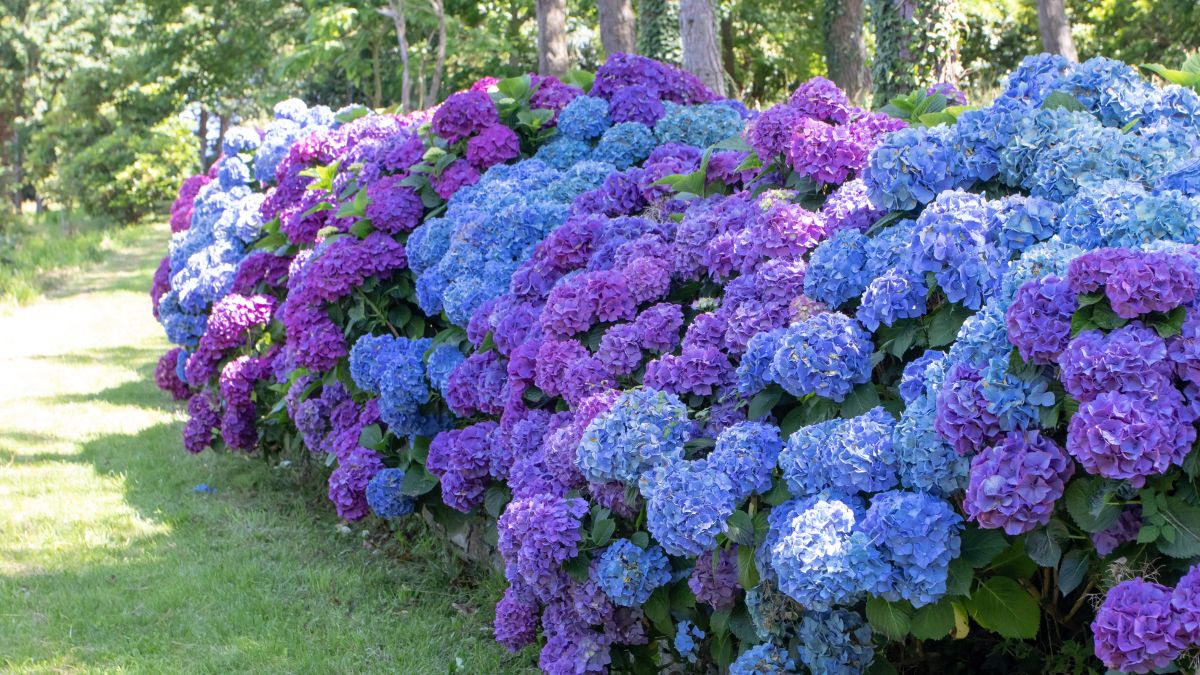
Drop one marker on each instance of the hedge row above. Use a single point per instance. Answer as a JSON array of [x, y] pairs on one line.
[[808, 389]]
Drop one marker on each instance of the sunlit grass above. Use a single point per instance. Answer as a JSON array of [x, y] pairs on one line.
[[111, 562]]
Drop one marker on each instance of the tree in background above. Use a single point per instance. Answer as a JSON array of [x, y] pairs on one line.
[[552, 37], [845, 48], [1056, 28], [658, 30], [916, 45], [701, 53], [618, 28]]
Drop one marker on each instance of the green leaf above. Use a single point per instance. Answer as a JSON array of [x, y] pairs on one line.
[[1089, 299], [1013, 562], [1170, 324], [1148, 534], [1104, 317], [881, 666], [980, 547], [1081, 321], [583, 79], [892, 619], [495, 499], [658, 610], [352, 113], [741, 530], [1002, 606], [734, 142], [1072, 571], [1045, 544], [362, 228], [602, 531], [933, 622], [1183, 78], [747, 569], [640, 539], [860, 400], [578, 567], [1061, 99], [370, 437], [1089, 501], [778, 494], [514, 87], [417, 481], [960, 577], [718, 622], [742, 625], [1185, 518], [946, 321], [683, 600], [763, 402]]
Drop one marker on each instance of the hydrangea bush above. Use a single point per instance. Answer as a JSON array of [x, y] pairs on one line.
[[812, 389]]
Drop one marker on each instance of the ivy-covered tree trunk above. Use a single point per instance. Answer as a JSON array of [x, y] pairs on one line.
[[916, 45], [701, 49], [1055, 28], [845, 49], [658, 30], [552, 37], [618, 30]]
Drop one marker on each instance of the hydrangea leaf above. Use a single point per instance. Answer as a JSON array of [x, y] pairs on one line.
[[980, 547], [1072, 571], [763, 402], [1088, 500], [418, 481], [933, 622], [1185, 518], [1002, 606], [860, 400], [892, 619]]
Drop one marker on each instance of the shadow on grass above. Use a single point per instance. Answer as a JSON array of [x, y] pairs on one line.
[[255, 577]]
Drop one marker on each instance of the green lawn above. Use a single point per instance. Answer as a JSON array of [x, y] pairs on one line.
[[110, 561]]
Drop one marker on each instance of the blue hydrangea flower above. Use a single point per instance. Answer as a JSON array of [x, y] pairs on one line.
[[837, 642], [841, 456], [1015, 402], [688, 637], [1110, 89], [754, 370], [820, 558], [892, 296], [827, 355], [910, 167], [1020, 222], [837, 270], [384, 495], [982, 337], [585, 118], [698, 125], [687, 504], [1036, 77], [746, 452], [914, 381], [628, 574], [393, 368], [951, 241], [563, 152], [625, 144], [1049, 257], [918, 535], [442, 360], [764, 659], [643, 428], [924, 461]]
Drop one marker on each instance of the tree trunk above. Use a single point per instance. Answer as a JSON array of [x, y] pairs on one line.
[[701, 49], [1055, 28], [395, 10], [915, 46], [845, 50], [618, 31], [202, 135], [658, 30], [552, 37], [439, 66], [376, 76], [728, 58], [222, 127]]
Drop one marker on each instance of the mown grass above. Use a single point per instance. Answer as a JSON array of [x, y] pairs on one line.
[[110, 561], [40, 253]]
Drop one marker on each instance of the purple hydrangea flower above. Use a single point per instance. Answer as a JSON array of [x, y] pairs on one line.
[[537, 535], [1039, 319], [1135, 630], [714, 579], [1132, 436], [1015, 483], [464, 114], [1131, 359]]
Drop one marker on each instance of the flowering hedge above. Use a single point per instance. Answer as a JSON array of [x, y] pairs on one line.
[[808, 389]]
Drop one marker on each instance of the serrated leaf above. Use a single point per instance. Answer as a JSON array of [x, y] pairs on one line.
[[860, 400], [658, 610], [763, 402], [721, 649], [742, 625], [495, 499], [602, 531], [1088, 502], [1044, 545], [578, 567], [945, 324], [962, 624], [741, 529], [933, 622], [417, 481], [747, 570], [892, 619], [371, 436], [980, 547], [959, 578], [1002, 606], [1185, 518], [640, 539], [1072, 571]]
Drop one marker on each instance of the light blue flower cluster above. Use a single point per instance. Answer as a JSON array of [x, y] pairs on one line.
[[293, 120], [746, 452], [688, 637], [698, 125], [442, 360], [892, 296], [393, 369], [628, 574], [764, 659], [585, 118], [827, 355], [917, 534], [837, 270], [643, 428], [687, 504], [841, 456], [951, 241]]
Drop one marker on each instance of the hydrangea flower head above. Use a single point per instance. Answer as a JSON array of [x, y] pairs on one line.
[[836, 642], [1135, 630], [746, 453], [918, 534], [1015, 483], [643, 428], [628, 574], [827, 355], [384, 495]]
